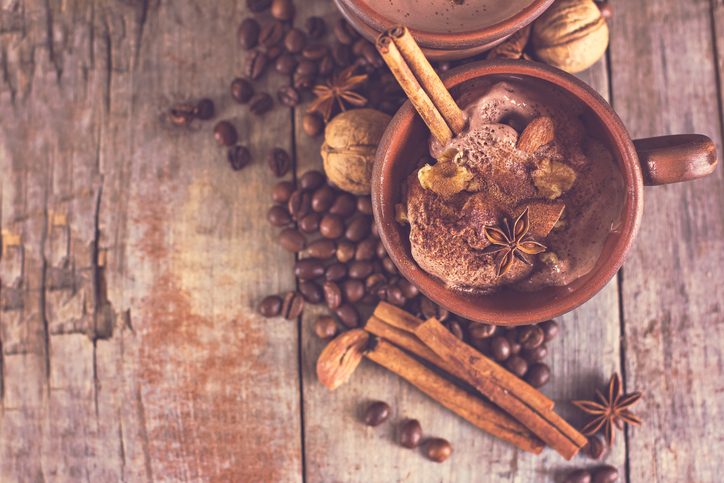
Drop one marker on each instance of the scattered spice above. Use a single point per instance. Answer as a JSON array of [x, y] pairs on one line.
[[511, 244], [338, 89]]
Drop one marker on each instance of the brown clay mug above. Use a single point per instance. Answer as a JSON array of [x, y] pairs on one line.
[[651, 161], [485, 24]]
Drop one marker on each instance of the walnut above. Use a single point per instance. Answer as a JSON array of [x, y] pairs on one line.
[[571, 35], [553, 178], [350, 144], [448, 176]]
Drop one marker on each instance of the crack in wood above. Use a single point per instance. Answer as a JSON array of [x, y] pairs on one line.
[[145, 442]]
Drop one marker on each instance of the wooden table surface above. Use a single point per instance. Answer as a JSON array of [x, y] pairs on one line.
[[133, 260]]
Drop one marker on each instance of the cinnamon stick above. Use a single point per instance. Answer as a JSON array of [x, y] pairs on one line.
[[452, 397], [428, 78], [504, 392], [419, 98]]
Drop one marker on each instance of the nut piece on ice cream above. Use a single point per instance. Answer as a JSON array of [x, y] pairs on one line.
[[448, 176], [553, 178]]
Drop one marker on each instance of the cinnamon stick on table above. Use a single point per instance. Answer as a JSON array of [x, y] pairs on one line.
[[421, 83]]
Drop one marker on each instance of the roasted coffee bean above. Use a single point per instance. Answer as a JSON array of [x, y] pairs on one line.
[[344, 32], [285, 64], [306, 67], [578, 476], [282, 191], [288, 96], [325, 327], [292, 240], [359, 229], [389, 265], [205, 109], [377, 413], [326, 65], [248, 33], [512, 335], [315, 52], [431, 309], [279, 162], [410, 434], [225, 133], [380, 250], [375, 230], [342, 55], [182, 114], [481, 331], [295, 41], [238, 157], [304, 82], [536, 354], [364, 205], [500, 348], [348, 315], [537, 375], [282, 9], [345, 251], [241, 90], [517, 365], [331, 226], [311, 180], [300, 205], [308, 268], [312, 292], [605, 8], [365, 250], [344, 205], [360, 270], [278, 216], [312, 124], [273, 53], [270, 306], [321, 248], [292, 306], [455, 328], [438, 449], [271, 33], [353, 291], [391, 294], [257, 6], [550, 329], [322, 199], [594, 449], [332, 295], [315, 27], [335, 272], [255, 64], [605, 474], [358, 45], [530, 336], [260, 103], [370, 299], [374, 282], [371, 55], [408, 290], [310, 223]]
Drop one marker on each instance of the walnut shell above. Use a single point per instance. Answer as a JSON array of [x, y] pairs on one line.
[[350, 145], [571, 35]]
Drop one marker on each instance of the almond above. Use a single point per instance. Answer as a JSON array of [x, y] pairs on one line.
[[538, 133]]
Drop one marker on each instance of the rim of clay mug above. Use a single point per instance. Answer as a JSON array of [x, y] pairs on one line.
[[457, 40], [474, 307]]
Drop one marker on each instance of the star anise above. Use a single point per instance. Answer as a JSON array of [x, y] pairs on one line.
[[338, 89], [511, 244], [612, 410]]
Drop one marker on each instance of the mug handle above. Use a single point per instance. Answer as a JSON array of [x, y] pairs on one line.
[[675, 158]]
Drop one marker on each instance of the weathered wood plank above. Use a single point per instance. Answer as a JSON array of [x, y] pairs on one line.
[[339, 447], [135, 257], [665, 82]]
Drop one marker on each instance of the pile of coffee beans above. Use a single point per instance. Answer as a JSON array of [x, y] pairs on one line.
[[344, 265], [601, 474], [410, 432]]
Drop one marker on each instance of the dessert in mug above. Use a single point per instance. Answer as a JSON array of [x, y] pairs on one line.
[[524, 197]]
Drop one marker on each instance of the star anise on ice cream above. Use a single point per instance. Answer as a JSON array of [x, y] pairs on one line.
[[338, 90], [611, 410], [511, 242]]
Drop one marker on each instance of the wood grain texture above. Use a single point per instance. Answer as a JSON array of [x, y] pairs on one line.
[[133, 257], [665, 81]]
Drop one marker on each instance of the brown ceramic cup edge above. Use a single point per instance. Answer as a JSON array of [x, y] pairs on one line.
[[463, 304]]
